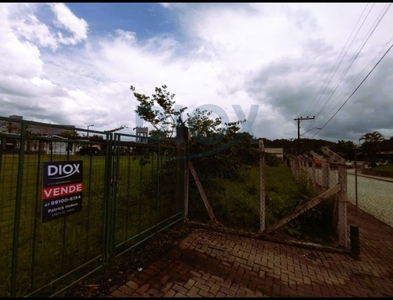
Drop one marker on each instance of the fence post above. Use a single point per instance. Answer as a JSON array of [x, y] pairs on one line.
[[342, 206], [304, 167], [181, 168], [300, 160], [341, 197], [18, 206], [318, 181], [307, 160], [261, 186], [291, 164], [297, 167], [325, 175], [2, 147], [314, 179]]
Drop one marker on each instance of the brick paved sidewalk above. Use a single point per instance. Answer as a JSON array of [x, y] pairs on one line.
[[215, 264]]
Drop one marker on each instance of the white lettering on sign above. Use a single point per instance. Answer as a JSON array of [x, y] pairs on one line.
[[62, 190], [63, 171]]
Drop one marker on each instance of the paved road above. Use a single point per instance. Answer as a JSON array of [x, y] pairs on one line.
[[374, 196]]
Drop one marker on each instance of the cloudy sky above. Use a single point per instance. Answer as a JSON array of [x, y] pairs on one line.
[[268, 63]]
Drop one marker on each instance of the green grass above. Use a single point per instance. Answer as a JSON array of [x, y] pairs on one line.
[[51, 249], [388, 168]]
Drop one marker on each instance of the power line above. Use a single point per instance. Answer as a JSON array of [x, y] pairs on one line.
[[357, 87], [338, 65], [310, 130], [355, 56], [357, 77], [349, 65]]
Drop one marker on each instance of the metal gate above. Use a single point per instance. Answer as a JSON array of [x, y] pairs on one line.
[[146, 197], [129, 191]]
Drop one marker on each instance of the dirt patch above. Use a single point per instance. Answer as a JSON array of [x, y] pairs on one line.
[[105, 280]]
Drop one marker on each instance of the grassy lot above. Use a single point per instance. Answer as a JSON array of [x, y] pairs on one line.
[[384, 171], [388, 168], [236, 203], [51, 249]]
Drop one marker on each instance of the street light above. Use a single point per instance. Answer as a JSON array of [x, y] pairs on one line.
[[88, 126]]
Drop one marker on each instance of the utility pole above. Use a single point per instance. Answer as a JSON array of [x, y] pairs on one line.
[[298, 130]]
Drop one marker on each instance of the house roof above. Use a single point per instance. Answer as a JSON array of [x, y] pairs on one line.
[[33, 128]]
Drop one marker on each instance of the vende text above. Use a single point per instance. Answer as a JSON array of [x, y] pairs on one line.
[[61, 190]]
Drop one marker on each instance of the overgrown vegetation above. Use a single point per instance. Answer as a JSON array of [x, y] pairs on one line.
[[236, 203], [226, 162], [370, 145]]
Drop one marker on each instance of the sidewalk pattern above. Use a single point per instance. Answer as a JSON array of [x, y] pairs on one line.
[[215, 264]]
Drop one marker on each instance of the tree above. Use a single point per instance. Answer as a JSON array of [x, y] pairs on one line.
[[343, 148], [116, 129], [69, 133], [164, 121], [213, 143], [370, 145], [201, 124]]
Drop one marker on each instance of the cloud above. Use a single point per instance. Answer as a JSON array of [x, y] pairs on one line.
[[31, 29], [276, 58], [66, 19]]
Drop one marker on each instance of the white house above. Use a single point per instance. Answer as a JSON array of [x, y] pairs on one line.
[[60, 147]]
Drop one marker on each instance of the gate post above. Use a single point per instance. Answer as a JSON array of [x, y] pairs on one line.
[[341, 197], [261, 186], [182, 168]]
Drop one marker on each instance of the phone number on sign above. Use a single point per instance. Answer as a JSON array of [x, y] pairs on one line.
[[64, 200]]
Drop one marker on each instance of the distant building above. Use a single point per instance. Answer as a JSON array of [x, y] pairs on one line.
[[15, 127], [60, 147], [278, 152], [141, 133], [10, 144]]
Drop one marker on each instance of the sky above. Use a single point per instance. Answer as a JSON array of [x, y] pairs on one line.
[[268, 63]]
